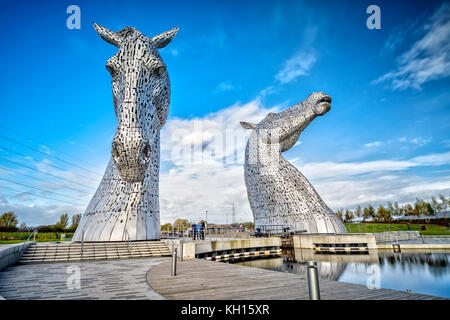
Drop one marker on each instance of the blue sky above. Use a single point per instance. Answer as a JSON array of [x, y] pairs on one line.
[[385, 139]]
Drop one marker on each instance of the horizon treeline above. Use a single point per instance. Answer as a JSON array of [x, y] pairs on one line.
[[391, 210]]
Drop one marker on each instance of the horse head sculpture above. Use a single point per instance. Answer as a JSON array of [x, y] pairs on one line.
[[278, 193], [141, 95], [126, 204]]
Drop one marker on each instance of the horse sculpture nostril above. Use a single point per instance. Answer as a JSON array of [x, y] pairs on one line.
[[145, 153], [115, 151], [147, 150]]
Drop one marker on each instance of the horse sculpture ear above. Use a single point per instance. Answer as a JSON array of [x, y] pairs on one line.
[[247, 125], [163, 39], [108, 35]]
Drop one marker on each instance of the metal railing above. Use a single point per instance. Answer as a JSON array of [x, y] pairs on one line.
[[208, 233], [35, 232], [130, 243]]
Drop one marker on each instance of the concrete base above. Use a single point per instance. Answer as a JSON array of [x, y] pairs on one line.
[[10, 254], [201, 247], [416, 246], [310, 241]]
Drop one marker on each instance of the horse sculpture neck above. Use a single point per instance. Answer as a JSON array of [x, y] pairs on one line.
[[126, 203], [120, 208], [278, 193]]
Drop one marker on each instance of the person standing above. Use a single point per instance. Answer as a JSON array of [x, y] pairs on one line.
[[194, 230], [202, 230], [199, 231]]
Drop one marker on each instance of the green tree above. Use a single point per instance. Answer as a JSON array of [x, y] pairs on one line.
[[349, 216], [369, 212], [76, 218], [397, 210], [9, 220], [249, 225], [62, 223], [444, 203], [181, 224], [358, 211], [383, 214], [436, 204], [427, 211], [339, 213], [408, 210], [166, 227]]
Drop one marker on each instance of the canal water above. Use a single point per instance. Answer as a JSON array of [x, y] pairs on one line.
[[425, 272]]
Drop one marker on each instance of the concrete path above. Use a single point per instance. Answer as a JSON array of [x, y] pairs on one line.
[[103, 279]]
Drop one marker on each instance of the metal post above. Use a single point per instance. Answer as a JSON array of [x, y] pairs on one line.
[[82, 241], [313, 281], [174, 262], [181, 250]]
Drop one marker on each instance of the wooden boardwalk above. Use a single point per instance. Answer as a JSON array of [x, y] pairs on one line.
[[209, 280]]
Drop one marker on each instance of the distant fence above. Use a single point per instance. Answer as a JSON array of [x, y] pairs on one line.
[[396, 236], [210, 232], [437, 215]]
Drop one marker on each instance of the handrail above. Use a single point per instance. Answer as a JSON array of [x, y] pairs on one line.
[[35, 232], [130, 245]]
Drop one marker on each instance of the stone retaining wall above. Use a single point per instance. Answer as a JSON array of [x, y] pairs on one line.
[[397, 235], [10, 254]]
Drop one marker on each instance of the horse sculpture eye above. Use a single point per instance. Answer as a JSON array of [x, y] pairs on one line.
[[160, 70], [111, 70]]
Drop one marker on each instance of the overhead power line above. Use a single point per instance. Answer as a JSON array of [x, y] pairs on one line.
[[49, 164], [48, 155], [38, 195], [43, 180], [42, 143], [24, 185], [43, 172]]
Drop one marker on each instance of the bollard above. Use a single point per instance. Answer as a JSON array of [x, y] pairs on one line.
[[181, 250], [313, 281], [174, 262], [82, 242]]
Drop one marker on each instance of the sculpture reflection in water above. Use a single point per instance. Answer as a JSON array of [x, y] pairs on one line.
[[347, 267]]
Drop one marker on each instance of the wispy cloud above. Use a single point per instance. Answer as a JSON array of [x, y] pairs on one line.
[[428, 58], [225, 86], [373, 144], [212, 165], [298, 65]]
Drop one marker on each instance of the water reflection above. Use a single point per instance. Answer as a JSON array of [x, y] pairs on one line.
[[420, 272]]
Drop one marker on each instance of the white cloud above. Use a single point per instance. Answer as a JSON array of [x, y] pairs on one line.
[[428, 58], [209, 176], [329, 169], [206, 156], [373, 144], [296, 66], [225, 86]]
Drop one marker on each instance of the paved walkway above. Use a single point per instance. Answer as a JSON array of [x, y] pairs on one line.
[[200, 279], [102, 279]]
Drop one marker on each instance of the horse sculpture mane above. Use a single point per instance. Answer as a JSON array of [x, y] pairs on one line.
[[278, 193], [126, 203]]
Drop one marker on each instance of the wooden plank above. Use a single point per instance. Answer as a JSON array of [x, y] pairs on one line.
[[201, 279]]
